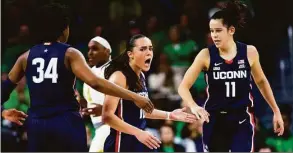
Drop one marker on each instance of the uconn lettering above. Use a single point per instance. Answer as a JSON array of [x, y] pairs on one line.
[[230, 75]]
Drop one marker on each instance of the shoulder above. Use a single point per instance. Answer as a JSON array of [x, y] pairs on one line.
[[23, 57], [118, 78], [252, 52], [72, 52], [203, 54]]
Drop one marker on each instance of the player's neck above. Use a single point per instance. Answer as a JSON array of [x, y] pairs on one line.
[[136, 69], [230, 47]]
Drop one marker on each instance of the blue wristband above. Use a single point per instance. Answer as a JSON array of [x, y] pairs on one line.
[[7, 88]]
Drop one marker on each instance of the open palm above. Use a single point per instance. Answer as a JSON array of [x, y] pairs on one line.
[[181, 115]]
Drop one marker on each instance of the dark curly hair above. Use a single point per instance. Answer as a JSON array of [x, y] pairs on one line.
[[50, 21]]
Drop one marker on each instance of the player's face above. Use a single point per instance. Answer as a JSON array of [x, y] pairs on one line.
[[142, 54], [220, 33], [97, 54]]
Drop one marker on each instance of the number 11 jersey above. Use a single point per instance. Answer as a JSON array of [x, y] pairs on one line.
[[229, 82]]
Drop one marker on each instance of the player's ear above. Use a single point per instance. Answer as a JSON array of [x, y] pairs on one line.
[[231, 30], [130, 54]]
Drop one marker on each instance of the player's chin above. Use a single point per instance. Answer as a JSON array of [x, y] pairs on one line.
[[146, 68], [218, 45]]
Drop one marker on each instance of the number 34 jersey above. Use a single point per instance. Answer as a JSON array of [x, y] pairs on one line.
[[51, 84], [229, 82]]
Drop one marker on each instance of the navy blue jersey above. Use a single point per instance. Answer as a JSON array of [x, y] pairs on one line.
[[229, 82], [51, 84], [133, 115]]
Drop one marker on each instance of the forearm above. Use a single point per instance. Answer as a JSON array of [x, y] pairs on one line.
[[109, 88], [115, 122], [157, 114], [186, 96], [266, 91]]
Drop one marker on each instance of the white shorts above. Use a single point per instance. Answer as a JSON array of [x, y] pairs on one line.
[[98, 141]]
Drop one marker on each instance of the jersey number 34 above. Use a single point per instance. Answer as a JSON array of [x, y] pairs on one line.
[[50, 72]]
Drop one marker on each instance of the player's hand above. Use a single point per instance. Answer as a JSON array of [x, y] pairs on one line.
[[96, 110], [148, 139], [181, 115], [144, 103], [200, 113], [14, 116], [278, 124]]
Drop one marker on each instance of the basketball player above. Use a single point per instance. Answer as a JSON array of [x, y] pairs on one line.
[[99, 54], [126, 120], [228, 67], [50, 67]]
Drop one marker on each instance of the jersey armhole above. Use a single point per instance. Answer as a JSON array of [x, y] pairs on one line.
[[210, 61]]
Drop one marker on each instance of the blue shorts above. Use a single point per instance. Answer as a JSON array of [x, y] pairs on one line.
[[64, 132], [229, 131]]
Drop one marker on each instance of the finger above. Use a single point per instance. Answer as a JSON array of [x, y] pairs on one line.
[[190, 120], [146, 109], [156, 139], [281, 128], [21, 119], [190, 116], [22, 114], [152, 107], [206, 114], [275, 126], [205, 117], [184, 109], [148, 145], [154, 143], [197, 115], [17, 122], [85, 113], [88, 110]]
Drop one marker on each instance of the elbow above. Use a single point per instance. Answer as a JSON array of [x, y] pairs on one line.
[[181, 89], [261, 82], [106, 118], [95, 85]]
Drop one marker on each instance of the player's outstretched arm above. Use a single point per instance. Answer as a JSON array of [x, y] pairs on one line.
[[265, 88], [189, 78], [14, 76], [109, 117], [80, 68], [175, 115]]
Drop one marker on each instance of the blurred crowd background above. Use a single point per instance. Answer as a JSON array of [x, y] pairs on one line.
[[179, 30]]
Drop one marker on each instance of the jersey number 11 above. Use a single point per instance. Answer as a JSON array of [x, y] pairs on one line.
[[228, 90]]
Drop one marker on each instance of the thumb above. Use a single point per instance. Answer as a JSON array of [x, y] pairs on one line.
[[275, 125], [184, 109]]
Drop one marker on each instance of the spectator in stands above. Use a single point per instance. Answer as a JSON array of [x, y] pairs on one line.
[[167, 138], [179, 53]]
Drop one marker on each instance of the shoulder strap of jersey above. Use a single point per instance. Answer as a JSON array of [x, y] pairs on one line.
[[214, 54], [242, 49]]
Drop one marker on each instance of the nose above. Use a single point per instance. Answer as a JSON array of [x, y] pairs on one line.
[[214, 35], [149, 52], [89, 52]]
